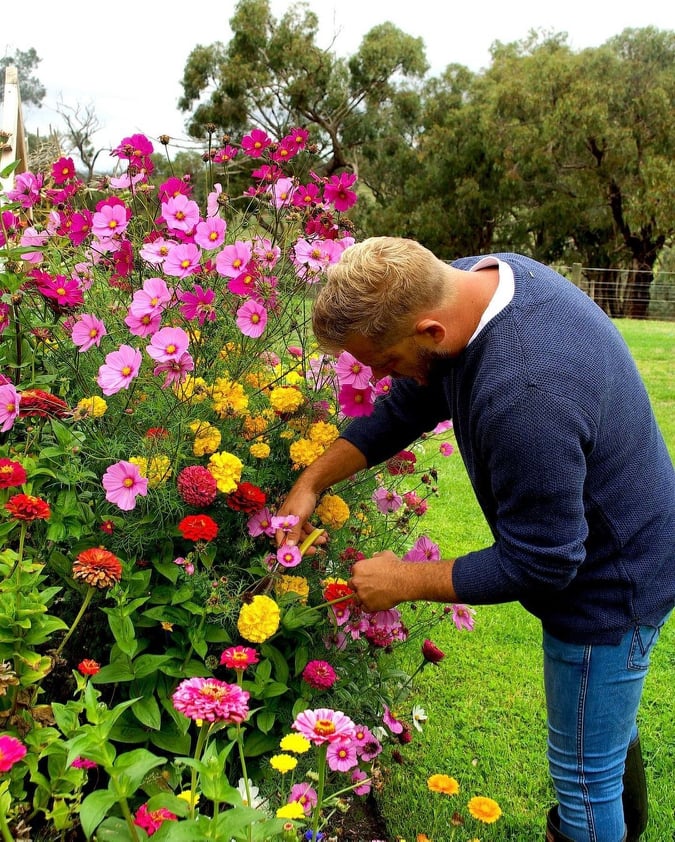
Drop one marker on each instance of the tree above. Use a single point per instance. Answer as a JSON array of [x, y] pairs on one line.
[[32, 92], [272, 74]]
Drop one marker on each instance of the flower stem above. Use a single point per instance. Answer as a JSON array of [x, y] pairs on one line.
[[242, 760], [199, 749], [85, 604], [322, 752]]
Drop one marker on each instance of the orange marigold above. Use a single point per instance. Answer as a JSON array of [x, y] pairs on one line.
[[484, 809], [97, 567], [444, 784]]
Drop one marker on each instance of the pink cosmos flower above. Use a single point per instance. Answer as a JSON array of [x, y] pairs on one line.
[[316, 255], [446, 449], [255, 143], [9, 406], [198, 304], [390, 720], [260, 523], [210, 233], [284, 522], [352, 372], [232, 260], [156, 252], [87, 331], [252, 319], [239, 657], [168, 344], [305, 795], [211, 700], [109, 221], [175, 370], [26, 189], [288, 556], [282, 192], [119, 369], [143, 324], [182, 261], [415, 503], [424, 549], [463, 616], [341, 756], [320, 675], [383, 386], [356, 402], [324, 725], [31, 238], [337, 192], [367, 744], [123, 483], [265, 253], [155, 294], [362, 781], [11, 751], [387, 501], [180, 213]]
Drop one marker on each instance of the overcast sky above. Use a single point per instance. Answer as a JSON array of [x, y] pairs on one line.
[[126, 60]]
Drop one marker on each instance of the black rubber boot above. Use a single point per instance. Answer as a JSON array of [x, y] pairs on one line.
[[553, 833], [635, 810]]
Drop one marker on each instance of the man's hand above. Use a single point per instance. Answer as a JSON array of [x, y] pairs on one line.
[[380, 582], [300, 503]]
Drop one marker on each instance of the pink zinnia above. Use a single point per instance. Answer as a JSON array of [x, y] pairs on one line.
[[341, 756], [151, 820], [239, 657], [168, 344], [9, 406], [320, 675], [197, 486], [119, 369], [305, 795], [211, 700], [349, 370], [123, 483], [198, 304], [11, 751], [87, 332], [288, 556], [324, 725], [337, 192], [251, 319], [356, 402]]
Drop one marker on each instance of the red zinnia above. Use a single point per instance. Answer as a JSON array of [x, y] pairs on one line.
[[35, 402], [27, 507], [335, 590], [198, 528], [247, 498], [89, 667], [97, 567], [431, 652], [402, 463], [197, 486], [11, 473]]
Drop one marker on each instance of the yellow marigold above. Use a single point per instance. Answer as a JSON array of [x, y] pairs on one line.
[[258, 619], [286, 399], [484, 809], [192, 389], [286, 434], [191, 797], [332, 511], [227, 349], [229, 398], [257, 380], [444, 784], [260, 450], [332, 580], [254, 426], [226, 469], [295, 743], [303, 452], [207, 438], [157, 469], [323, 433], [294, 378], [283, 763], [292, 584], [93, 407], [292, 810]]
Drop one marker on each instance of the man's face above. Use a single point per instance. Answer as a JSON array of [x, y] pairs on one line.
[[406, 358]]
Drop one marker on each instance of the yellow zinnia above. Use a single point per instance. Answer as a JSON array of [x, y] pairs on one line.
[[444, 784], [292, 810], [226, 469], [258, 619], [332, 511], [484, 809]]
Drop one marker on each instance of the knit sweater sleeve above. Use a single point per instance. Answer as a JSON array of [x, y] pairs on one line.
[[533, 477]]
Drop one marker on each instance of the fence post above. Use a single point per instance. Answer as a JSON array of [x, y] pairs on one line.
[[14, 147]]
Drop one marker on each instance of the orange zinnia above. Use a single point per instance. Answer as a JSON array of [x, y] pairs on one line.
[[444, 784], [97, 567]]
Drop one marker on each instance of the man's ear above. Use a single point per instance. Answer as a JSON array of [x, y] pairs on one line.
[[431, 329]]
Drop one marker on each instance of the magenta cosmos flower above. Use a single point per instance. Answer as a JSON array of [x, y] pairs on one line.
[[251, 319], [87, 332], [9, 406], [119, 369], [11, 751], [211, 700], [123, 483], [356, 402], [324, 725], [349, 370], [198, 304], [337, 192], [341, 756]]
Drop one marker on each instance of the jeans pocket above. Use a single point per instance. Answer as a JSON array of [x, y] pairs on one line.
[[644, 638]]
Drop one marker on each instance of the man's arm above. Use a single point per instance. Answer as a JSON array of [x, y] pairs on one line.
[[383, 581], [340, 461]]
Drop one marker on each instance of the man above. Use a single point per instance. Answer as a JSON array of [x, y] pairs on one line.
[[570, 469]]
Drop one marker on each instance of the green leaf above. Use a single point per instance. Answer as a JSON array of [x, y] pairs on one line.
[[147, 711], [278, 659], [112, 673], [94, 809], [273, 688], [124, 633], [146, 665], [258, 743], [132, 767], [265, 720]]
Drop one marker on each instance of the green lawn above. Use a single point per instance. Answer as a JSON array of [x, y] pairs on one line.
[[485, 700]]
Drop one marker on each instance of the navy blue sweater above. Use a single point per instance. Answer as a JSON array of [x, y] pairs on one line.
[[565, 457]]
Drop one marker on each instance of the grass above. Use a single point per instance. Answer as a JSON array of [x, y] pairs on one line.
[[485, 701]]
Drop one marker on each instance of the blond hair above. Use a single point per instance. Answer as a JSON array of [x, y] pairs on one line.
[[375, 290]]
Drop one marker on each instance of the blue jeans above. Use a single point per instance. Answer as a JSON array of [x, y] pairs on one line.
[[592, 698]]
